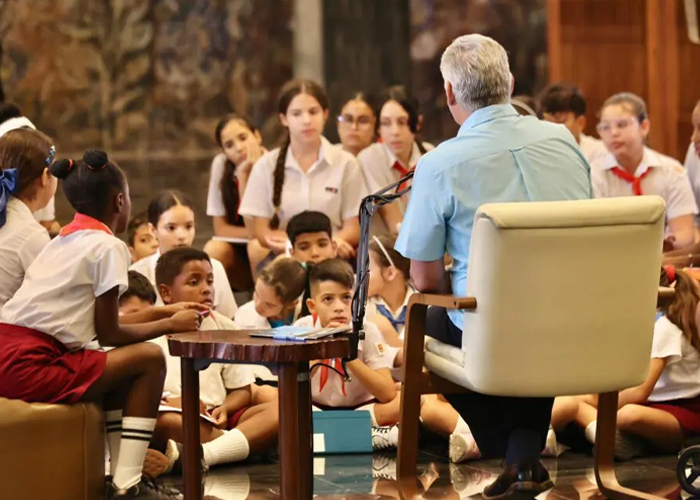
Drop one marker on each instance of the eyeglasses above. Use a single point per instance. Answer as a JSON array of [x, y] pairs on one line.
[[350, 120], [607, 127]]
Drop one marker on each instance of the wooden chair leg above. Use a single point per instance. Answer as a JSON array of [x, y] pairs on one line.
[[605, 453], [410, 404]]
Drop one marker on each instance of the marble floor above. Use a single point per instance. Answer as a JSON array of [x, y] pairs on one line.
[[371, 477]]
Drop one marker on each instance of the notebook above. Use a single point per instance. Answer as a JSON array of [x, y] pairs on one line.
[[300, 333]]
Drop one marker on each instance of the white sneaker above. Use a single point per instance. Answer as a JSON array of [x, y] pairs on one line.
[[551, 448], [463, 447], [384, 438]]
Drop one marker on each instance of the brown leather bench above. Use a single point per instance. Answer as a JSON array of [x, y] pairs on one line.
[[54, 452]]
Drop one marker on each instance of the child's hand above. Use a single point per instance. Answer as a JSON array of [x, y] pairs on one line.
[[337, 324], [253, 154], [221, 416], [276, 241], [172, 309], [345, 249], [185, 321], [669, 243]]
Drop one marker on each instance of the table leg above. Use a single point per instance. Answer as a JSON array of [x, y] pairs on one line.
[[192, 461], [295, 445]]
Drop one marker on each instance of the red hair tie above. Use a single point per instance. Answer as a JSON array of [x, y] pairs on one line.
[[670, 273]]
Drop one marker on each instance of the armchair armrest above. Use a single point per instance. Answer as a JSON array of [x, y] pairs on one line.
[[665, 296], [446, 301]]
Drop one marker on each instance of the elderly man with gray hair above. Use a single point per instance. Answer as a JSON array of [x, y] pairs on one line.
[[497, 156]]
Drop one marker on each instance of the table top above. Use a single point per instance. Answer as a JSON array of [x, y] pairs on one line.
[[238, 345]]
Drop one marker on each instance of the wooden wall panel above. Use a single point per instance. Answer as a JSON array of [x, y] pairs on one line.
[[689, 79], [601, 49]]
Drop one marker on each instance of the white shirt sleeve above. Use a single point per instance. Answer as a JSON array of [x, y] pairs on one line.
[[375, 351], [237, 376], [215, 202], [224, 301], [32, 247], [371, 165], [111, 269], [679, 195], [257, 199], [599, 182], [354, 190], [667, 341]]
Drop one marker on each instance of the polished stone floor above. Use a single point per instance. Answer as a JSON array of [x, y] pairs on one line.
[[372, 477]]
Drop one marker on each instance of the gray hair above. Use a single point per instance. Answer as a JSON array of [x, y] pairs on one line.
[[477, 67]]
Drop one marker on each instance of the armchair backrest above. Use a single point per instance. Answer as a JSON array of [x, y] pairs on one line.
[[566, 295]]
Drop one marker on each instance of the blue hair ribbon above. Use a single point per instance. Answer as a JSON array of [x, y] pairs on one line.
[[8, 182]]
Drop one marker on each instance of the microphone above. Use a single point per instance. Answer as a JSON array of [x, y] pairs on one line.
[[369, 205]]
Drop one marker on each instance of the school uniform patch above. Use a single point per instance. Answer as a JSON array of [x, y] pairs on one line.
[[332, 190], [381, 349]]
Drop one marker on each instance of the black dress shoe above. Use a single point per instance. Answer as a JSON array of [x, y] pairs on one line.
[[146, 489], [523, 481]]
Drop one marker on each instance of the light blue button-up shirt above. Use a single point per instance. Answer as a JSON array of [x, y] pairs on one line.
[[497, 156]]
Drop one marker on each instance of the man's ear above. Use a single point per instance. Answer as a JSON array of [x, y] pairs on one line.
[[450, 94], [165, 293], [311, 305]]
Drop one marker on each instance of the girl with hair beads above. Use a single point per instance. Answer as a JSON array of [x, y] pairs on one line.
[[69, 298], [306, 173], [396, 154], [357, 123], [241, 146], [665, 409], [632, 169], [277, 291], [171, 214], [26, 186]]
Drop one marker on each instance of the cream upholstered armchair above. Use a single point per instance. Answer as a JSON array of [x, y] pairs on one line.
[[564, 291]]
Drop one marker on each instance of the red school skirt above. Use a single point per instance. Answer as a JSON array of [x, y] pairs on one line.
[[686, 411], [37, 368]]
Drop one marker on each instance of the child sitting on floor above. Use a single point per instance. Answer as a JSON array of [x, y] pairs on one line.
[[277, 291], [311, 236], [371, 387], [141, 238], [242, 427], [664, 410], [138, 297]]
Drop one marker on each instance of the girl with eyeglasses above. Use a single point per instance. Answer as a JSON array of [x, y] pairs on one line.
[[357, 123], [396, 153], [632, 169]]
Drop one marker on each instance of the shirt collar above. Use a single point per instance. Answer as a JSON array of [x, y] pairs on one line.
[[409, 291], [487, 114], [18, 206], [650, 159], [412, 162], [82, 222], [325, 156]]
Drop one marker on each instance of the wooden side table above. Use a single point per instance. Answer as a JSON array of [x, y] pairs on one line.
[[197, 350]]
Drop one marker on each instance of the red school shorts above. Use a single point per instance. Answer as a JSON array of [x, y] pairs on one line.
[[686, 411], [37, 368]]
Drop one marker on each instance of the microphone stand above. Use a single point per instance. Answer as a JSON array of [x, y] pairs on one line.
[[368, 207]]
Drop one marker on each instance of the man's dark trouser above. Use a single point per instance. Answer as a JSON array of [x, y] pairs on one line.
[[514, 428]]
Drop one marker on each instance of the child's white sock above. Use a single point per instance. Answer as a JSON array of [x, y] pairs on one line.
[[113, 425], [590, 431], [462, 427], [233, 446], [136, 434], [372, 418]]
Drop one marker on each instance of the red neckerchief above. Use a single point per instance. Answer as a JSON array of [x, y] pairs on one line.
[[82, 222], [627, 177], [403, 171], [336, 363]]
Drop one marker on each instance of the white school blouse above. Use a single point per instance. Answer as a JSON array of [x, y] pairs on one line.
[[60, 287], [680, 378], [224, 302], [667, 179], [692, 166], [333, 185], [593, 149], [247, 318], [373, 351], [21, 240], [216, 380], [215, 201]]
